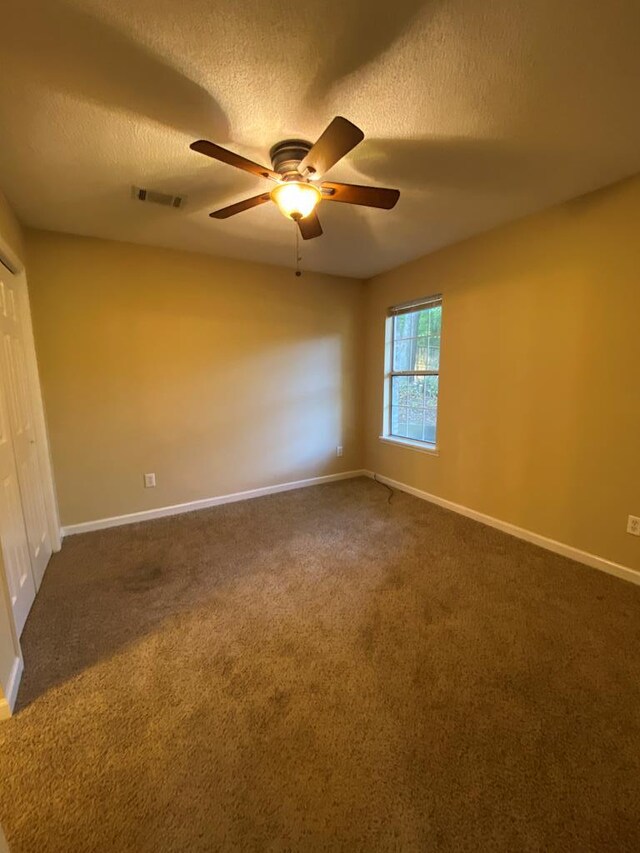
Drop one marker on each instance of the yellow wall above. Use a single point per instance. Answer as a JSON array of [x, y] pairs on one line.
[[217, 375], [539, 421], [222, 376]]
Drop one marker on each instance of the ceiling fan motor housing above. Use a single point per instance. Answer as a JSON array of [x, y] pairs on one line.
[[287, 155]]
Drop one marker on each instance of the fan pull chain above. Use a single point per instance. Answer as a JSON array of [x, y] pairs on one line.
[[298, 256]]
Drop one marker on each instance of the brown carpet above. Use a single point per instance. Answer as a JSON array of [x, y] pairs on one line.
[[322, 670]]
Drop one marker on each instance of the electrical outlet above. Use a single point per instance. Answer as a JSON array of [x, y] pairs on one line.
[[149, 481], [339, 450], [633, 525]]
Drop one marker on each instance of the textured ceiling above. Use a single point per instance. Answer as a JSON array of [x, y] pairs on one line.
[[479, 112]]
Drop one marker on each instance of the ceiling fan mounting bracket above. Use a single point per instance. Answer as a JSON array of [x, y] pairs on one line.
[[287, 155]]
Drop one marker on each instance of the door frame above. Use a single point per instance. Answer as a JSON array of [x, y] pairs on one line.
[[14, 265], [9, 690]]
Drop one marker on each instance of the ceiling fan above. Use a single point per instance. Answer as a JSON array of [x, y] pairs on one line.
[[297, 167]]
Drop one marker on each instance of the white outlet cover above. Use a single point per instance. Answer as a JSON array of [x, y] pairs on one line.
[[149, 481], [633, 525]]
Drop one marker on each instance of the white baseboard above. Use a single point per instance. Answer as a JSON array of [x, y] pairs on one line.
[[624, 572], [8, 701], [205, 503], [592, 560]]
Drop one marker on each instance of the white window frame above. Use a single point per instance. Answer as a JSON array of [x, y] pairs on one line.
[[386, 435]]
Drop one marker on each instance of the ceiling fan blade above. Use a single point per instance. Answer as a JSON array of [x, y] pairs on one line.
[[336, 141], [354, 194], [239, 206], [310, 226], [210, 149]]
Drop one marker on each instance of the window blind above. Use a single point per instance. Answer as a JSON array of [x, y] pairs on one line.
[[416, 305]]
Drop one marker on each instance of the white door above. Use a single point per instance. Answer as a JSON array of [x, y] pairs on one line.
[[17, 388], [13, 534]]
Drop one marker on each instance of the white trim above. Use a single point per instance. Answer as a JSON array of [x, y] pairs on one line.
[[8, 258], [595, 562], [8, 702], [422, 446], [191, 506]]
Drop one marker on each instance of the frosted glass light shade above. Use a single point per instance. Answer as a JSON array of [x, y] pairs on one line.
[[296, 199]]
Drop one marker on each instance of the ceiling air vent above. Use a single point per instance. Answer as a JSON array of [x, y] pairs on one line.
[[156, 197]]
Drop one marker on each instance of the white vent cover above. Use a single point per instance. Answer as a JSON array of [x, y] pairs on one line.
[[156, 197]]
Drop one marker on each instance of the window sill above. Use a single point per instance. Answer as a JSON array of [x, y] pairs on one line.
[[420, 446]]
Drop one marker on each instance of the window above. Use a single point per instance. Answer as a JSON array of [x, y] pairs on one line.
[[413, 366]]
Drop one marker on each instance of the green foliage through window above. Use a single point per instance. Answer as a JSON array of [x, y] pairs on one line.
[[414, 373]]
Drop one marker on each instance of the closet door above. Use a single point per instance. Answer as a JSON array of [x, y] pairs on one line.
[[23, 434], [13, 534]]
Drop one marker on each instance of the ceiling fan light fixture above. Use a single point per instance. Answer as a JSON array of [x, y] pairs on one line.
[[296, 199]]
